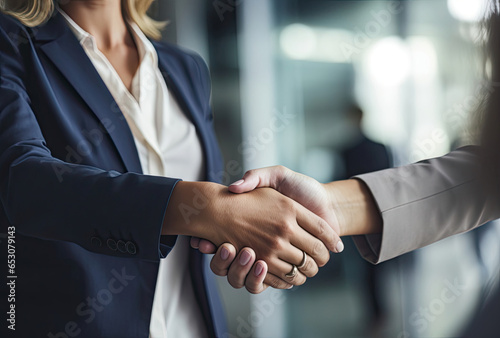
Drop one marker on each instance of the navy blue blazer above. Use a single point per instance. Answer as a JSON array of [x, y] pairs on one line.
[[80, 220]]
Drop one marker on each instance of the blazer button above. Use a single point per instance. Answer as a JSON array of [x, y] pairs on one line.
[[95, 241], [121, 246], [111, 244], [131, 248]]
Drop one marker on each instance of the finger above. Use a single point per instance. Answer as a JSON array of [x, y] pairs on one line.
[[294, 255], [306, 242], [258, 178], [276, 283], [206, 247], [281, 268], [312, 246], [195, 242], [308, 267], [255, 279], [222, 260], [241, 268], [317, 227]]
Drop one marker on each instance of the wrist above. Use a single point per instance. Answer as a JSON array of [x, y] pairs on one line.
[[186, 213], [355, 207], [337, 205]]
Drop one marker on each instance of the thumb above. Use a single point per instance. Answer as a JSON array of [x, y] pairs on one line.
[[259, 178]]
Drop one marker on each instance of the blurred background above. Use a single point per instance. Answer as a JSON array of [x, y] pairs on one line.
[[333, 89]]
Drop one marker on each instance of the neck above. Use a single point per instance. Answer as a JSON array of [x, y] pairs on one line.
[[103, 19]]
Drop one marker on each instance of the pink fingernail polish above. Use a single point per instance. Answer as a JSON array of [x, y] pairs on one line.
[[224, 254], [238, 182], [245, 257], [258, 269]]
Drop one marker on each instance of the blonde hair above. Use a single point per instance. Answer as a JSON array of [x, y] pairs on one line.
[[35, 12]]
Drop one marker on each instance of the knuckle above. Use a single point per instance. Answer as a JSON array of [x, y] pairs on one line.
[[317, 248], [320, 253], [323, 260], [326, 233], [249, 172], [286, 229], [281, 169], [287, 205], [299, 280], [217, 270], [234, 282], [295, 280], [291, 280], [277, 283], [275, 244], [311, 269], [253, 288], [322, 230], [253, 291]]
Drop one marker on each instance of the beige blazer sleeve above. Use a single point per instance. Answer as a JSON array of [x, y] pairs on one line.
[[425, 202]]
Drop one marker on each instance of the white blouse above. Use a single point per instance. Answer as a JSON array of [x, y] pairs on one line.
[[168, 145]]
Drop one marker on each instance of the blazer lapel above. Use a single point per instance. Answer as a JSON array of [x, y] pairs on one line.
[[179, 86], [63, 49]]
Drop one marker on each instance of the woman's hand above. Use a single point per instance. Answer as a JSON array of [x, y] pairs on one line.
[[277, 228], [242, 272]]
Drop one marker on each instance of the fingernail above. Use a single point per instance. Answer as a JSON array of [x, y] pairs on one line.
[[258, 269], [195, 242], [224, 254], [288, 288], [340, 247], [245, 257], [238, 182]]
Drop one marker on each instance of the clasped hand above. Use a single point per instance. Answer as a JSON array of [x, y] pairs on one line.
[[302, 222]]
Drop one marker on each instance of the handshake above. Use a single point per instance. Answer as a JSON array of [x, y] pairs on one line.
[[274, 227]]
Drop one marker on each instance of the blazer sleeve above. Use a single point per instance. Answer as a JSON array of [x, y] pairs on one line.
[[427, 201], [86, 202]]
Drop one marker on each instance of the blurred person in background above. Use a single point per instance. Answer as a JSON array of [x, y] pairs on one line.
[[361, 156]]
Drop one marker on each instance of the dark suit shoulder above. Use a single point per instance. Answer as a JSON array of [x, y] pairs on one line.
[[15, 38], [163, 46], [180, 54], [186, 61], [12, 29], [9, 23]]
